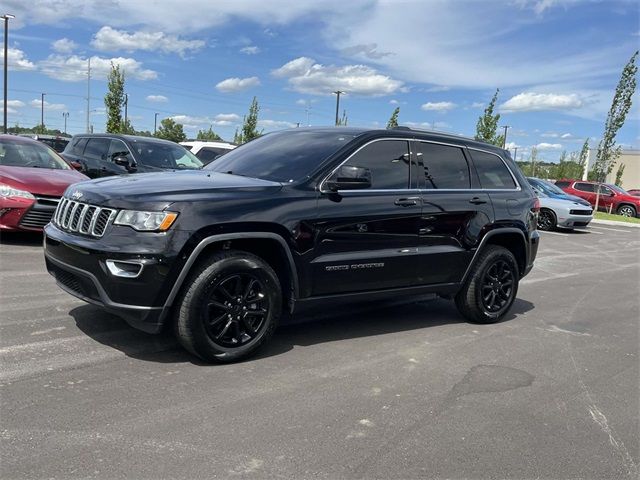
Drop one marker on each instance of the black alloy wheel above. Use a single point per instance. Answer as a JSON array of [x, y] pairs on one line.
[[546, 220], [627, 211], [497, 286], [235, 310]]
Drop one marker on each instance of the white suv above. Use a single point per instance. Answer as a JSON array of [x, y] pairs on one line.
[[207, 152]]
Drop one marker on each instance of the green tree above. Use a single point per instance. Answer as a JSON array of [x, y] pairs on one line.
[[393, 121], [249, 129], [208, 135], [170, 130], [342, 121], [114, 99], [127, 128], [619, 174], [237, 137], [487, 126], [608, 152], [583, 158]]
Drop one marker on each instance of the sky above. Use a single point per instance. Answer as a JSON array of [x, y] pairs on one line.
[[556, 63]]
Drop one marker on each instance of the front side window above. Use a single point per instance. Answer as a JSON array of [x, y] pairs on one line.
[[493, 173], [584, 187], [165, 155], [445, 167], [117, 148], [388, 161]]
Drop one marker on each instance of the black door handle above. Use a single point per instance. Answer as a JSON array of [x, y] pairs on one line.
[[406, 202], [477, 201]]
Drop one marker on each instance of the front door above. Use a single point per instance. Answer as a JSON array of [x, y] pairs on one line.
[[367, 239]]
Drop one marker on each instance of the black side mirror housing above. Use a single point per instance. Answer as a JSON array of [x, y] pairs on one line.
[[349, 177], [124, 162]]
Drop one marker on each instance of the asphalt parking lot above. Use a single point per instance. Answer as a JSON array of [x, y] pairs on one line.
[[398, 391]]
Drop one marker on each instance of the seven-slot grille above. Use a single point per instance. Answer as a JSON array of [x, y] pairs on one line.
[[83, 218]]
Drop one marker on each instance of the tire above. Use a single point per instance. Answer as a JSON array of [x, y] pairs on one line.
[[627, 211], [229, 307], [547, 219], [470, 301]]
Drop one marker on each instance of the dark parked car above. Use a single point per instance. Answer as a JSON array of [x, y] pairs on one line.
[[105, 154], [32, 179], [295, 220]]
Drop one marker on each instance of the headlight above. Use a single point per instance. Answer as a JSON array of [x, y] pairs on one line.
[[146, 221], [7, 192]]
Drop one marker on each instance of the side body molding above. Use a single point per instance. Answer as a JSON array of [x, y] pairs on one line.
[[222, 237]]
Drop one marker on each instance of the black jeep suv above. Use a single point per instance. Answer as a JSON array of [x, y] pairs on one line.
[[293, 219], [106, 154]]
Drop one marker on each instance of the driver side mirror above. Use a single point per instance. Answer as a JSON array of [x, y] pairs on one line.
[[124, 162], [349, 177]]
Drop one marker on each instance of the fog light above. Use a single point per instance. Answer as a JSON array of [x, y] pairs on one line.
[[126, 269]]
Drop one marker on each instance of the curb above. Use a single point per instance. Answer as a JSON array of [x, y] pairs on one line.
[[617, 224]]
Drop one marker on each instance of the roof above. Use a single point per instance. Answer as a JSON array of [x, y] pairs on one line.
[[129, 138]]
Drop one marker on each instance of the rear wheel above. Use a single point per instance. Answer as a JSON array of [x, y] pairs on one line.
[[546, 219], [229, 308], [626, 211], [491, 287]]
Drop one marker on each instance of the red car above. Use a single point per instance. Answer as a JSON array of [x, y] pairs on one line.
[[32, 179], [612, 197], [635, 192]]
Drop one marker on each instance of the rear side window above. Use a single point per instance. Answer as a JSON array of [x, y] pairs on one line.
[[77, 147], [562, 184], [97, 147], [444, 167], [584, 187], [492, 171], [208, 154]]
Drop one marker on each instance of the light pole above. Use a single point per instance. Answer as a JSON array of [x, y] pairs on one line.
[[6, 18], [126, 104], [65, 115], [504, 139], [337, 94], [42, 110], [515, 154], [155, 123]]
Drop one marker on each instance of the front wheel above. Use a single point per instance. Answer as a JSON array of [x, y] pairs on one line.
[[626, 211], [229, 307], [546, 220], [491, 287]]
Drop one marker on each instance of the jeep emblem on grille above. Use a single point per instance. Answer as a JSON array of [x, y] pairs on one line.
[[77, 195]]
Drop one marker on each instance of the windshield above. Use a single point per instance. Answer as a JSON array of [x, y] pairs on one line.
[[618, 189], [286, 156], [165, 155], [546, 187], [34, 155]]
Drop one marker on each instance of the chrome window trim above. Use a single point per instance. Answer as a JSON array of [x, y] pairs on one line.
[[515, 180], [127, 147], [408, 140]]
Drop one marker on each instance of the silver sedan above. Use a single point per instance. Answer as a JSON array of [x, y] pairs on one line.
[[557, 212]]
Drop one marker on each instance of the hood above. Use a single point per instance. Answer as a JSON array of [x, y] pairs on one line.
[[558, 202], [40, 181], [167, 187], [572, 198]]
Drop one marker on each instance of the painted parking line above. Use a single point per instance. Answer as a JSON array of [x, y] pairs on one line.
[[610, 229], [554, 233]]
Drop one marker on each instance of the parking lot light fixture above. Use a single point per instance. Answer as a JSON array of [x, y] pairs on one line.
[[6, 18]]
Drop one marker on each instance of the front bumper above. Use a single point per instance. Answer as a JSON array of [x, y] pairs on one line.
[[80, 267], [568, 220]]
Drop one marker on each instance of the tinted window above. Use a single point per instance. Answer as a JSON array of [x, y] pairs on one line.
[[165, 155], [283, 156], [562, 184], [584, 187], [492, 171], [604, 190], [97, 147], [117, 148], [388, 161], [188, 147], [208, 154], [444, 167], [77, 147]]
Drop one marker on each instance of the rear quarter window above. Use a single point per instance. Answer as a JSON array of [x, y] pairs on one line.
[[562, 184], [492, 171]]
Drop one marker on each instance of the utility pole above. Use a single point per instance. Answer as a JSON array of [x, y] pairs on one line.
[[6, 18], [155, 123], [126, 104], [337, 94], [515, 154], [42, 110], [65, 115], [504, 139], [88, 95]]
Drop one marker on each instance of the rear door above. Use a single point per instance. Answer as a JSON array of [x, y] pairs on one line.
[[367, 239], [95, 155], [454, 210]]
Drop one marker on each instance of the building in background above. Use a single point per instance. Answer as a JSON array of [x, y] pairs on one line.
[[631, 175]]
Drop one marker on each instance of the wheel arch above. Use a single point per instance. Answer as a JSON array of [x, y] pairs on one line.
[[269, 246], [513, 239], [626, 204]]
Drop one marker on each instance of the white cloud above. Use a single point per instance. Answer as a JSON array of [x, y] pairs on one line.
[[548, 146], [111, 40], [550, 135], [227, 117], [369, 50], [428, 125], [437, 88], [74, 68], [250, 50], [531, 101], [15, 103], [393, 101], [511, 146], [156, 99], [306, 76], [191, 122], [37, 103], [438, 106], [566, 135], [64, 45], [237, 84], [275, 124], [17, 59], [477, 105]]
